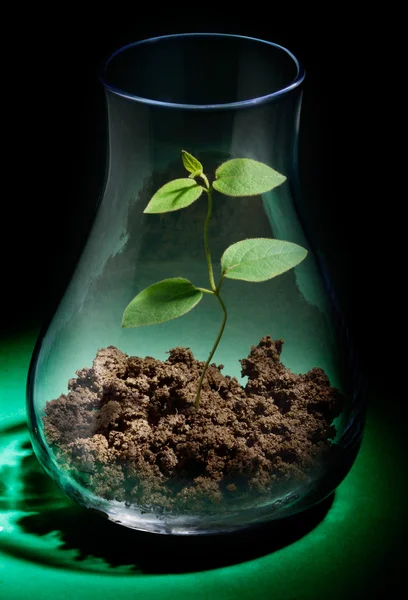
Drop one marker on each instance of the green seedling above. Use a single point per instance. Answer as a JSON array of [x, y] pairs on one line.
[[255, 259]]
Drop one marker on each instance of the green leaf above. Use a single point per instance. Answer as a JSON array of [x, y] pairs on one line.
[[174, 195], [161, 302], [191, 163], [259, 259], [246, 177]]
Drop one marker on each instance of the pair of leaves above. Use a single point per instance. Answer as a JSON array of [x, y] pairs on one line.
[[236, 177], [257, 259], [178, 193]]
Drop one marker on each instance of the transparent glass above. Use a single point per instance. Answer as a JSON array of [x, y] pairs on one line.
[[124, 438]]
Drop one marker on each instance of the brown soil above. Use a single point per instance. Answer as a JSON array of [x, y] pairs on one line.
[[128, 429]]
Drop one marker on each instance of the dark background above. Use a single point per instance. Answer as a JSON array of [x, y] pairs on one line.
[[56, 125]]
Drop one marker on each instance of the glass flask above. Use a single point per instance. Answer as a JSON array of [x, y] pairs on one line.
[[111, 409]]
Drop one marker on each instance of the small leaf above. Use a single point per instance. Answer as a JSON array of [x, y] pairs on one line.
[[259, 259], [174, 195], [191, 163], [246, 177], [161, 302]]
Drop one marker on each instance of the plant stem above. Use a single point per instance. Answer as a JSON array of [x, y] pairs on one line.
[[207, 249], [215, 290], [217, 341], [205, 178], [205, 290]]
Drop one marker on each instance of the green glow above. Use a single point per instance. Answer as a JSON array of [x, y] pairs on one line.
[[338, 558]]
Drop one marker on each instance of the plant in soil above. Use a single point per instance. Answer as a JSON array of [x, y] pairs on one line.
[[179, 435], [253, 260]]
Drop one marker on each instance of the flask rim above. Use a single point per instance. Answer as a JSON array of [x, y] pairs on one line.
[[284, 90]]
